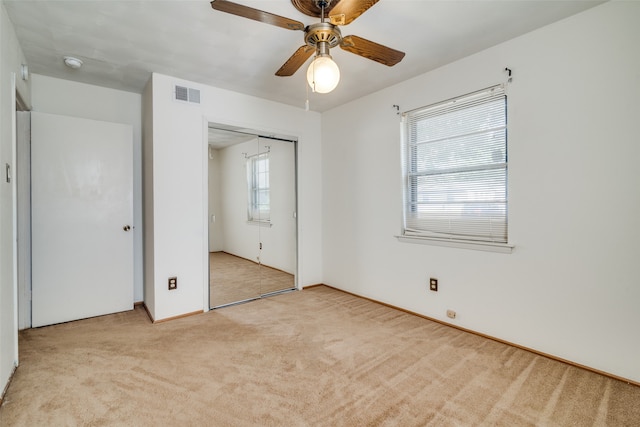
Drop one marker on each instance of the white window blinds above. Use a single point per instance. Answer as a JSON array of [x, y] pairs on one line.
[[455, 169]]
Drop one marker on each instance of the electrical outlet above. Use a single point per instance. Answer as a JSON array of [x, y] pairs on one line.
[[433, 284], [173, 283], [451, 314]]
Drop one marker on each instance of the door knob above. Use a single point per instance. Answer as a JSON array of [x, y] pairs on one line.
[[126, 228]]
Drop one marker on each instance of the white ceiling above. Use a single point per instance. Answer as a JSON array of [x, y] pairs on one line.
[[122, 42], [222, 138]]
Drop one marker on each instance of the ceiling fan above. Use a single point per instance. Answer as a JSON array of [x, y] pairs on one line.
[[323, 74]]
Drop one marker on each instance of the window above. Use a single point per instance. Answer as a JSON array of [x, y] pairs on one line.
[[258, 180], [455, 169]]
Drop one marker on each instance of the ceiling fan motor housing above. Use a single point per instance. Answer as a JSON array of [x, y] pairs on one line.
[[322, 35]]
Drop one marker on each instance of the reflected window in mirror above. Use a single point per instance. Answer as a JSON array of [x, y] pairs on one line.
[[259, 208]]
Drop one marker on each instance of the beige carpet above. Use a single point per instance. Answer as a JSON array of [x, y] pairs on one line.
[[318, 357], [233, 279]]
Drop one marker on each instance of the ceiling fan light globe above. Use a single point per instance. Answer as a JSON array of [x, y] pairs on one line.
[[323, 74]]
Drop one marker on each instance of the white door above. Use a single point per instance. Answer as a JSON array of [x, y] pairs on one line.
[[82, 213]]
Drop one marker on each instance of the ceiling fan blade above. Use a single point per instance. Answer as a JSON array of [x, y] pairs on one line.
[[256, 15], [370, 50], [346, 11], [295, 61]]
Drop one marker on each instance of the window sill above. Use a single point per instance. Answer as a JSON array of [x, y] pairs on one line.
[[478, 246], [260, 223]]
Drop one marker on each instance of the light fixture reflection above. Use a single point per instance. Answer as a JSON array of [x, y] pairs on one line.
[[323, 74]]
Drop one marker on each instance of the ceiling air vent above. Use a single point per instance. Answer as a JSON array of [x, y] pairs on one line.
[[187, 94]]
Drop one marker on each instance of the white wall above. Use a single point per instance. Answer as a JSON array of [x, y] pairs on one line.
[[240, 237], [64, 97], [570, 288], [180, 207], [11, 57], [216, 236]]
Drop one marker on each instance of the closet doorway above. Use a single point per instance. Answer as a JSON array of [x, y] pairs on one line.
[[252, 215]]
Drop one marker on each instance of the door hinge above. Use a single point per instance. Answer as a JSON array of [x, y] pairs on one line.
[[260, 245]]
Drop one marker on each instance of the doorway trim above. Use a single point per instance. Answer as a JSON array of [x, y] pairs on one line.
[[23, 191]]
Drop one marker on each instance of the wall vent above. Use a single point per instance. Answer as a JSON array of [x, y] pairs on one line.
[[187, 94]]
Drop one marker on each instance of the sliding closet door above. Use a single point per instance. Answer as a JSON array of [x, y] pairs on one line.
[[252, 216], [278, 236], [234, 235]]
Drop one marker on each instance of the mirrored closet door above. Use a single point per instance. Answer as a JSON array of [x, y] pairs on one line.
[[252, 215]]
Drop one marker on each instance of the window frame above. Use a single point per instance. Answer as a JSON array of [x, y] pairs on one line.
[[410, 142], [256, 213]]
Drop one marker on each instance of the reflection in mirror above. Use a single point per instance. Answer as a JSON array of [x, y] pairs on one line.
[[252, 216]]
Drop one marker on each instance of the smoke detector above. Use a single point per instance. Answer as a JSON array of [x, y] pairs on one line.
[[72, 62]]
